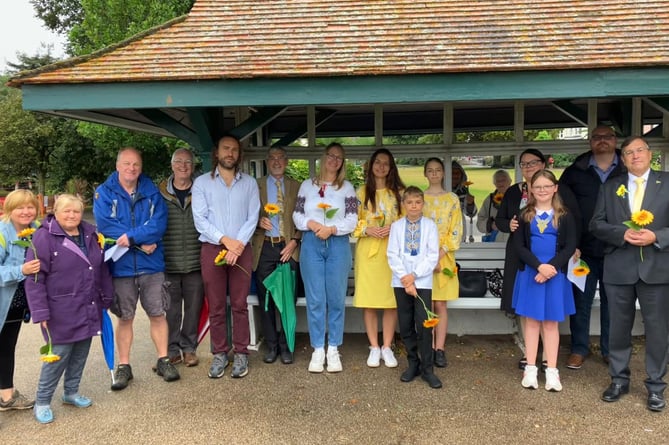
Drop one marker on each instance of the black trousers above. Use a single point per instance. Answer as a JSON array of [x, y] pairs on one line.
[[8, 338], [417, 338], [270, 259]]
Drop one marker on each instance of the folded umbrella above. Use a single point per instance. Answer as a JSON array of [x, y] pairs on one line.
[[107, 339], [281, 285], [203, 324]]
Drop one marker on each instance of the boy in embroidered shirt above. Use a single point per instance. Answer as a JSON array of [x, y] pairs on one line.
[[413, 253]]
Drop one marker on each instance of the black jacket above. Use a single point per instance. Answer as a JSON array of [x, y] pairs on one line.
[[584, 183], [566, 244]]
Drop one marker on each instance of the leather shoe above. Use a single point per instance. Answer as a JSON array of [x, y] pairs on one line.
[[431, 380], [286, 357], [270, 356], [575, 361], [656, 401], [190, 359], [615, 391], [411, 373]]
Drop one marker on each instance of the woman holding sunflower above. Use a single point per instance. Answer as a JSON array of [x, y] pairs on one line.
[[379, 205], [20, 211], [485, 219]]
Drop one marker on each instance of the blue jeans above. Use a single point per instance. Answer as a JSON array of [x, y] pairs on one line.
[[579, 323], [325, 267], [72, 361]]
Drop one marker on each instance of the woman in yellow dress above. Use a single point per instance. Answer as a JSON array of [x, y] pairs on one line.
[[444, 208], [378, 207]]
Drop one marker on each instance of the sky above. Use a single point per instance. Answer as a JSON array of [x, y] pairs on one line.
[[21, 31]]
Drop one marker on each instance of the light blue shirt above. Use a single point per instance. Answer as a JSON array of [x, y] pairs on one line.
[[272, 196], [219, 210]]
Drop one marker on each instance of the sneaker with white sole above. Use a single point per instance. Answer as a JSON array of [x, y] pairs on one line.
[[388, 358], [530, 377], [374, 359], [553, 380], [334, 361], [317, 360]]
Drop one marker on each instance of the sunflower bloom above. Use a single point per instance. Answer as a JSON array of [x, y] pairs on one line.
[[622, 191], [323, 205], [581, 271], [25, 233], [642, 218], [220, 258], [50, 358], [430, 322], [272, 209], [432, 319], [497, 198], [47, 350]]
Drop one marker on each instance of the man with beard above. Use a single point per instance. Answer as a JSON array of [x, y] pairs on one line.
[[226, 206]]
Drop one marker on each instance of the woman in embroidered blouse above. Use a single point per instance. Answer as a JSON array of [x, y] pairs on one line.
[[327, 212], [20, 212], [445, 210], [378, 207]]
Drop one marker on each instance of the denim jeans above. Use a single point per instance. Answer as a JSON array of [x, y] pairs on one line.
[[579, 323], [72, 361], [325, 268], [183, 316]]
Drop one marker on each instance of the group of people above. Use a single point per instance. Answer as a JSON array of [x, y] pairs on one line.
[[190, 242]]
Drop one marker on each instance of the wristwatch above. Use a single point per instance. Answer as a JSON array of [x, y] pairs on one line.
[[297, 240]]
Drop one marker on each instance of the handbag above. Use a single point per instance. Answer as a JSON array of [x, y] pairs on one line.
[[495, 282], [473, 283]]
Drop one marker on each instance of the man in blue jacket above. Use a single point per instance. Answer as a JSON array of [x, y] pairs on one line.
[[128, 207]]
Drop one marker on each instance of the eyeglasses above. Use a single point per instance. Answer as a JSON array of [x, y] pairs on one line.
[[334, 157], [182, 162], [635, 151], [276, 158], [530, 164], [541, 188], [603, 137]]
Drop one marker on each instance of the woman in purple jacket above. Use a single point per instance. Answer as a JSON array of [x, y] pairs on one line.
[[67, 298]]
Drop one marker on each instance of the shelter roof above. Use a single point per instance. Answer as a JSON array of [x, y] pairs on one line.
[[242, 39]]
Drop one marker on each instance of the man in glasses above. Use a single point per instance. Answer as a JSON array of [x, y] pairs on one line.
[[182, 261], [584, 177]]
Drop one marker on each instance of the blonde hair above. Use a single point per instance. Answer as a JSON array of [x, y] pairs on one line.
[[65, 200], [341, 173], [559, 208], [16, 199]]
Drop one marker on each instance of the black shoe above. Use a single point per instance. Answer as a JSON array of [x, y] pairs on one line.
[[614, 392], [286, 357], [270, 355], [440, 360], [522, 363], [431, 380], [411, 373], [122, 376], [166, 370], [656, 401], [544, 366]]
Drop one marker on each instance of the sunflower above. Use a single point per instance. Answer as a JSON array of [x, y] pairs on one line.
[[642, 218], [101, 240], [220, 258], [467, 183], [272, 209], [25, 233], [622, 191], [323, 205], [50, 358], [430, 322], [497, 198], [581, 271]]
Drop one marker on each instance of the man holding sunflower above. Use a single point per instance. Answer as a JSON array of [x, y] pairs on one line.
[[275, 241], [632, 217]]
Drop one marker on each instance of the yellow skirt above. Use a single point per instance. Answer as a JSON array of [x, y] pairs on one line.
[[445, 288], [373, 275]]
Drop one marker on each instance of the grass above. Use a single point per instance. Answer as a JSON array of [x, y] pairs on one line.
[[480, 177]]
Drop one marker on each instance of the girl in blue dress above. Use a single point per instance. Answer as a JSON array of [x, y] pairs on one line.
[[542, 292]]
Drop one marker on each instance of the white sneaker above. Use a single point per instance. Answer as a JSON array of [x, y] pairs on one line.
[[374, 359], [334, 362], [388, 358], [530, 377], [317, 360], [553, 380]]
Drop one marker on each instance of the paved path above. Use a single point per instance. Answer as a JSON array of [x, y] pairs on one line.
[[481, 402]]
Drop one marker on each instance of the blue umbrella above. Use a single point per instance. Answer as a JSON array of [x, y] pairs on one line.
[[107, 338]]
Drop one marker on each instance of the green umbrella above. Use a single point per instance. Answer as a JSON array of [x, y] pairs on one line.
[[281, 284]]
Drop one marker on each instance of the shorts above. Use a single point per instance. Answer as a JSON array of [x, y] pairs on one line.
[[150, 289]]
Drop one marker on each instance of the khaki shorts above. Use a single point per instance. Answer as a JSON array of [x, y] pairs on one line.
[[151, 290]]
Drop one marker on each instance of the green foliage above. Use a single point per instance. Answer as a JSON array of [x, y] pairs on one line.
[[299, 170]]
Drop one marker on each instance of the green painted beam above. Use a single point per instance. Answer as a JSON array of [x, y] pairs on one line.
[[575, 112], [352, 90], [170, 124], [301, 130], [258, 119], [660, 102], [202, 126]]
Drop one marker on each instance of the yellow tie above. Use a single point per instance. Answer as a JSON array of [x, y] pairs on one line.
[[279, 202], [638, 195]]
